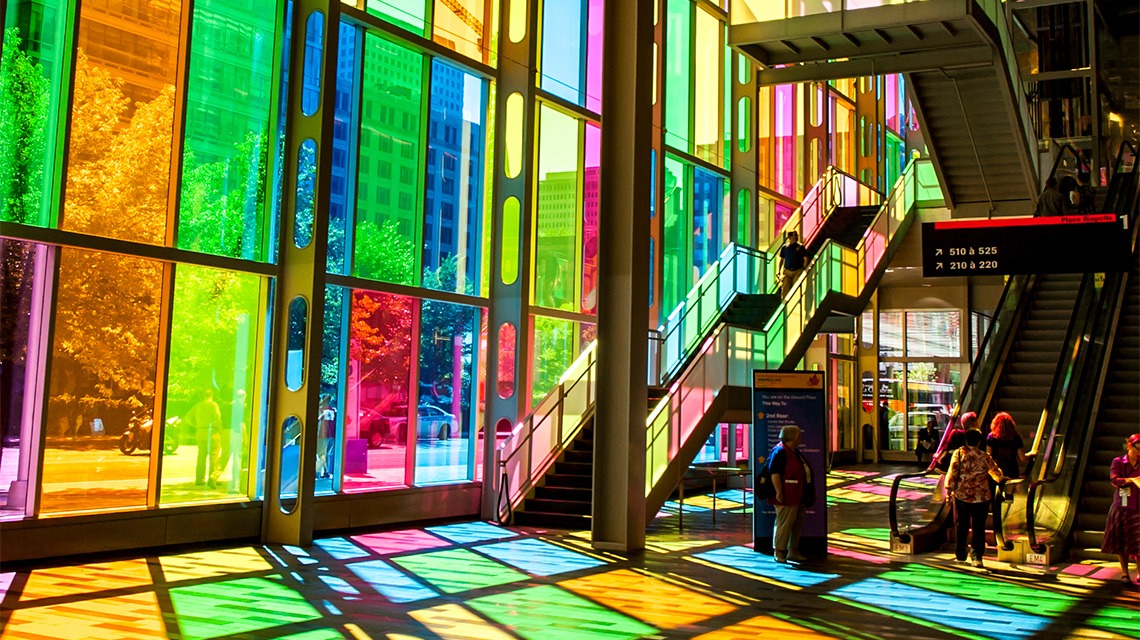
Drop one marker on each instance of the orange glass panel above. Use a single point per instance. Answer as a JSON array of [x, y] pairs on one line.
[[103, 369], [122, 120]]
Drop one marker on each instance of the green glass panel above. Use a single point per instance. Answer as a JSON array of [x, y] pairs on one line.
[[237, 607], [389, 201], [548, 608], [31, 81], [678, 69], [554, 350], [509, 269], [557, 268], [458, 570], [406, 14], [678, 236], [211, 384], [227, 128]]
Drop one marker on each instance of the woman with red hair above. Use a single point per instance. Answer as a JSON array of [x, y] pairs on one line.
[[1005, 445]]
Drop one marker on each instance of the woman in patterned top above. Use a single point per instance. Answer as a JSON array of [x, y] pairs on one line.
[[968, 483]]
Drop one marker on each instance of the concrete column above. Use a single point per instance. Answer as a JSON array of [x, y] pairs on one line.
[[623, 263]]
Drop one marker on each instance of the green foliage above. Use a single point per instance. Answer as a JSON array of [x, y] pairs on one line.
[[24, 103], [222, 201], [382, 253], [553, 353]]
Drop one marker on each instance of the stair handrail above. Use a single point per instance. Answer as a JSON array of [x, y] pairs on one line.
[[835, 188], [1096, 343], [859, 265], [1007, 312]]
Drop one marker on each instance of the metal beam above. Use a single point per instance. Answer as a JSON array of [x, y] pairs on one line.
[[950, 58]]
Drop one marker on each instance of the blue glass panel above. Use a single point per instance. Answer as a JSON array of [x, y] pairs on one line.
[[345, 123], [563, 36], [708, 192], [453, 218]]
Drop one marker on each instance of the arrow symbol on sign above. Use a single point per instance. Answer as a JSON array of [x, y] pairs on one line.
[[938, 252], [939, 265]]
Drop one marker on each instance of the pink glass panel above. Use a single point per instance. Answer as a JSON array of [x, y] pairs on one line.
[[785, 143], [594, 30], [593, 162]]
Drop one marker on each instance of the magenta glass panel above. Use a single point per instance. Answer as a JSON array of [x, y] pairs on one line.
[[783, 212], [594, 29], [892, 102], [593, 163]]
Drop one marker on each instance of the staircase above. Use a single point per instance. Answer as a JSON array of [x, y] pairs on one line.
[[961, 71], [1118, 418], [1032, 361], [701, 368]]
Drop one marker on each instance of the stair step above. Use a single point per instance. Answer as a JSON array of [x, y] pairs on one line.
[[574, 468], [576, 494], [552, 520], [558, 506], [563, 480], [585, 457]]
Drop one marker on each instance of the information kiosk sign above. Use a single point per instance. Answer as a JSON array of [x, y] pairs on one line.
[[782, 398], [1060, 244]]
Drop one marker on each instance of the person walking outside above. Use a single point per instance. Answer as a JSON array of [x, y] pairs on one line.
[[1122, 529], [206, 419], [968, 483], [793, 257], [792, 481]]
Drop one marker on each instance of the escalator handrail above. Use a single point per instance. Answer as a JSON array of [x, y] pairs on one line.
[[932, 469], [1061, 155], [1113, 289]]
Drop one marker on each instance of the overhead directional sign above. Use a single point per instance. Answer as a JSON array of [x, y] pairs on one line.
[[1062, 244]]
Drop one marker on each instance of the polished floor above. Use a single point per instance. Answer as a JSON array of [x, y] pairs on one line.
[[474, 580]]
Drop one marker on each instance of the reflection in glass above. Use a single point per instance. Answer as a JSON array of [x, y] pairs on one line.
[[103, 371], [389, 174], [554, 349], [295, 343], [290, 469], [506, 381], [314, 51], [345, 122], [303, 220], [468, 27], [330, 430], [556, 244], [591, 200], [211, 384], [563, 24], [891, 334], [222, 205], [446, 418], [377, 391], [31, 76], [122, 120], [23, 282], [933, 334], [453, 218]]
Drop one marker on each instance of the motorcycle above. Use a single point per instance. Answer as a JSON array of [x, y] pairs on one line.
[[138, 434]]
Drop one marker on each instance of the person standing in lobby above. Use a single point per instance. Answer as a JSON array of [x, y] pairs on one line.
[[968, 483], [1122, 529], [792, 481]]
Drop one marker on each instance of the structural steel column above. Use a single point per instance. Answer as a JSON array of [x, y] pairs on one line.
[[513, 209], [742, 199], [623, 284], [301, 274]]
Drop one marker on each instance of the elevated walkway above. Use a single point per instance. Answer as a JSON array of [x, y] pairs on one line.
[[701, 363], [961, 72]]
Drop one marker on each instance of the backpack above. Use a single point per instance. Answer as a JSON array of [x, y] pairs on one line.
[[762, 488]]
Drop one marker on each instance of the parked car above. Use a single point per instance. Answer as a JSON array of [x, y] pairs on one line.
[[433, 423]]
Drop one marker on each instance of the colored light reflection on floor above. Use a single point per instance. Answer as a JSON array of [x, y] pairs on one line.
[[652, 600], [763, 627], [549, 613], [211, 564], [122, 617], [458, 570], [340, 549], [454, 622], [237, 606], [763, 565], [468, 532], [405, 541], [991, 621], [85, 578], [538, 558], [390, 582]]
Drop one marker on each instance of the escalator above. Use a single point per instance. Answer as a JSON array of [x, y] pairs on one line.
[[1117, 418], [700, 364], [1042, 361]]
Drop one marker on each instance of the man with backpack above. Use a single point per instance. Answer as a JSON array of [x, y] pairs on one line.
[[792, 484]]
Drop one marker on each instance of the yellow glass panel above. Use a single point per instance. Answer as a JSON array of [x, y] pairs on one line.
[[102, 380], [122, 120], [512, 160], [509, 269], [708, 91], [466, 26], [516, 30]]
